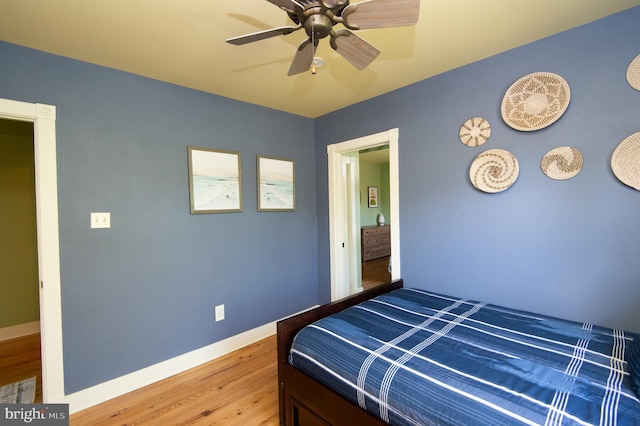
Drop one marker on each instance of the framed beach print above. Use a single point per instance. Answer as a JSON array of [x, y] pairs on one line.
[[372, 199], [276, 184], [215, 181]]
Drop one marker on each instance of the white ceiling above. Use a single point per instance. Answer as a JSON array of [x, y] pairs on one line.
[[182, 42]]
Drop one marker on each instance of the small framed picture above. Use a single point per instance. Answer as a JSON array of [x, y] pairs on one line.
[[215, 181], [276, 184], [372, 199]]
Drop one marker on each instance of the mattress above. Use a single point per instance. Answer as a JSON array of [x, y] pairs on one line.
[[413, 357]]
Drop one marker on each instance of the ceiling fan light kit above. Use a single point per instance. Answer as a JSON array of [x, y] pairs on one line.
[[318, 17]]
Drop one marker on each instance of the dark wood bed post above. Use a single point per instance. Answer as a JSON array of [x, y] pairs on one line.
[[304, 401]]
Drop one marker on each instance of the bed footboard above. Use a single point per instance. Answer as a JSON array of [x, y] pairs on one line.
[[304, 401]]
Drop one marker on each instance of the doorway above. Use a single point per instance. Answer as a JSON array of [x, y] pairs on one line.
[[20, 322], [344, 225], [375, 233], [43, 118]]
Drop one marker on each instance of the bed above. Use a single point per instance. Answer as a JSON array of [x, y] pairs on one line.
[[404, 356]]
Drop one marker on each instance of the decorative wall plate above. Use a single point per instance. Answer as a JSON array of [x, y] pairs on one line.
[[535, 101], [562, 163], [625, 161], [633, 73], [494, 170], [475, 131]]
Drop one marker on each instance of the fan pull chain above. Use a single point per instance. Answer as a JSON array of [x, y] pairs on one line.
[[313, 47]]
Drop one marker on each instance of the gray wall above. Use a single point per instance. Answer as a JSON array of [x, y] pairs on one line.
[[144, 291], [566, 248]]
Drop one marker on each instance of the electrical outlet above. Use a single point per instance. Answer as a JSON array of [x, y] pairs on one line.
[[219, 313]]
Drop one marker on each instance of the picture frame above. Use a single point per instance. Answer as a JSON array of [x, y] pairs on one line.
[[372, 197], [215, 180], [276, 182]]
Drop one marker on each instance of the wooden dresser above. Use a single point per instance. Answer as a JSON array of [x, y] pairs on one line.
[[376, 242]]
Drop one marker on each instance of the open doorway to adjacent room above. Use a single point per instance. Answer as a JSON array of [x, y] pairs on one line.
[[375, 235], [38, 121], [345, 210], [19, 298]]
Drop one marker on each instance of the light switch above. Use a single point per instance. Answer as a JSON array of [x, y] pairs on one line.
[[100, 220]]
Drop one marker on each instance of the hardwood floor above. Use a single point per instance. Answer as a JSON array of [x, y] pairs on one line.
[[20, 359], [237, 389], [375, 272], [240, 388]]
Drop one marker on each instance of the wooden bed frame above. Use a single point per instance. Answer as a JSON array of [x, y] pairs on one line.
[[303, 400]]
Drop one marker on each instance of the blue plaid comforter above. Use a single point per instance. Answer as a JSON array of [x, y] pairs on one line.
[[417, 358]]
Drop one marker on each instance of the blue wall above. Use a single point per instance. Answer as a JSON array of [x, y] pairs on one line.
[[567, 248], [144, 291]]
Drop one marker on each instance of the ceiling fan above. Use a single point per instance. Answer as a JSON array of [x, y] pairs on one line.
[[318, 17]]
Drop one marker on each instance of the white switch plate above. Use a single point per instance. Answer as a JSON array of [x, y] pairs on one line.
[[219, 313], [100, 220]]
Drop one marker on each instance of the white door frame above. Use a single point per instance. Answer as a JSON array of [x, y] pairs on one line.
[[43, 118], [351, 193], [341, 243]]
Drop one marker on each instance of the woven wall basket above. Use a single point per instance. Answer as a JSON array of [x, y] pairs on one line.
[[633, 73], [475, 132], [562, 163], [494, 170], [535, 101], [625, 161]]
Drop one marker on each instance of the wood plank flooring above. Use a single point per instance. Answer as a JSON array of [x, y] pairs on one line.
[[20, 359], [240, 388], [375, 272]]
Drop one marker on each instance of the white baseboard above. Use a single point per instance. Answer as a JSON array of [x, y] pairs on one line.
[[19, 330], [119, 386]]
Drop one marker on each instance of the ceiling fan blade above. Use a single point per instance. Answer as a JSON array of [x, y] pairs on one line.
[[303, 58], [261, 35], [289, 6], [354, 49], [381, 14]]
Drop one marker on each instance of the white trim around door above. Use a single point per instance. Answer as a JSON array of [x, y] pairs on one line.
[[341, 241], [43, 118]]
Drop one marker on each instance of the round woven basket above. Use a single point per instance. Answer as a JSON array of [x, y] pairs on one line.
[[535, 101], [494, 170], [562, 163], [633, 73], [475, 132], [625, 161]]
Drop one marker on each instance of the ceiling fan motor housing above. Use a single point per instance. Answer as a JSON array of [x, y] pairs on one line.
[[319, 25], [313, 7]]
